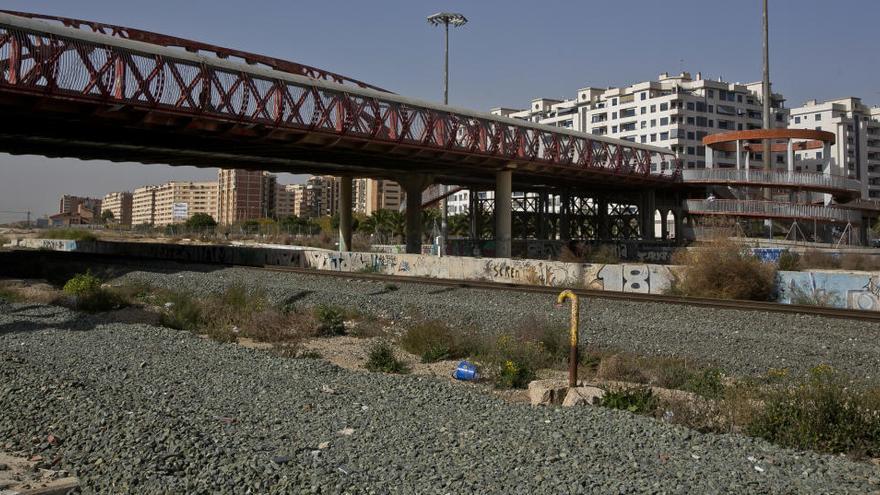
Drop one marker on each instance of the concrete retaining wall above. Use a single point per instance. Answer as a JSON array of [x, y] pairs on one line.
[[857, 290]]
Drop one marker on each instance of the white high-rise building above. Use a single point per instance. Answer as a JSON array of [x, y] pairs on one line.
[[674, 112], [856, 151]]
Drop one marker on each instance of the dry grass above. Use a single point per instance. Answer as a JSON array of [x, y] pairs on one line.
[[724, 270]]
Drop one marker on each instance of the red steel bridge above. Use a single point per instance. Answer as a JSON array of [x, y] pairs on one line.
[[72, 88]]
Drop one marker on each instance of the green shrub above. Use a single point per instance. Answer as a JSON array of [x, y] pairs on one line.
[[89, 295], [826, 412], [381, 358], [707, 383], [512, 374], [639, 400], [789, 261], [82, 284], [182, 312], [331, 320]]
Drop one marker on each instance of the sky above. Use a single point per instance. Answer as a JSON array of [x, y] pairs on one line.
[[510, 52]]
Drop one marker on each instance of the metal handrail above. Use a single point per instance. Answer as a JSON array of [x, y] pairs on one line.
[[771, 209], [783, 178]]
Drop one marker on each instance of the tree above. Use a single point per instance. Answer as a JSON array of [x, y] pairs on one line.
[[107, 216], [200, 221]]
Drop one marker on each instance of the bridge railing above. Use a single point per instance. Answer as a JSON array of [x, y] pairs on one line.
[[771, 209], [49, 60], [783, 178]]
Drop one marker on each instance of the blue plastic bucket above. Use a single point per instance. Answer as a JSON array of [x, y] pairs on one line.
[[466, 371]]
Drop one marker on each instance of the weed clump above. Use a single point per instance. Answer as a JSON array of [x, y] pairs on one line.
[[825, 412], [638, 400], [89, 295], [181, 312], [434, 341], [789, 261], [724, 270], [331, 320], [381, 358]]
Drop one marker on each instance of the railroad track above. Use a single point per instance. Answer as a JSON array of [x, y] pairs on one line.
[[740, 305]]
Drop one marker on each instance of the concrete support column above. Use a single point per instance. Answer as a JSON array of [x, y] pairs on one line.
[[503, 213], [678, 214], [790, 156], [710, 158], [474, 210], [826, 158], [414, 185], [345, 209], [738, 154], [565, 216], [748, 163]]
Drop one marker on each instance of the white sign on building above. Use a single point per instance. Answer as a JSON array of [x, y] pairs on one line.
[[179, 211]]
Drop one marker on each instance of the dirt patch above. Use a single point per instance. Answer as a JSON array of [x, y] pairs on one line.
[[19, 475]]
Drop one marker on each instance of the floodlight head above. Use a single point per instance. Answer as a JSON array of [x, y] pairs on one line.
[[447, 18]]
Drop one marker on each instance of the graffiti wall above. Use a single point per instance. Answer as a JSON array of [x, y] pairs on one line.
[[855, 290]]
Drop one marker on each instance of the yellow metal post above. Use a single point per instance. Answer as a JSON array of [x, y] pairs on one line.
[[573, 335]]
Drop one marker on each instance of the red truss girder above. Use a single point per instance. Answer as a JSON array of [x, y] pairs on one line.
[[74, 69]]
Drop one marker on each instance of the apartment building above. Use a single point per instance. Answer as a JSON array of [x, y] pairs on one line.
[[674, 112], [245, 195], [285, 200], [71, 204], [177, 201], [120, 204], [173, 202], [143, 205], [371, 195], [856, 151]]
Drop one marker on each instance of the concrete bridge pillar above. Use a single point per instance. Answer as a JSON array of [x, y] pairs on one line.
[[503, 213], [345, 209], [414, 185]]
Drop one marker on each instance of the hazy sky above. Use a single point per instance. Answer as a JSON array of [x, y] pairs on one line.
[[510, 52]]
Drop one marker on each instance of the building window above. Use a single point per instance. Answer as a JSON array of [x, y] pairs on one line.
[[664, 107], [690, 120], [613, 115], [643, 110], [818, 116], [653, 122], [690, 135], [797, 120], [644, 138], [613, 101], [739, 98], [664, 121], [691, 150], [614, 128], [644, 124], [710, 93], [653, 138], [690, 105], [664, 136], [644, 95], [653, 108]]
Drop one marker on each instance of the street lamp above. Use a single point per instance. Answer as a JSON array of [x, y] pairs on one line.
[[445, 19]]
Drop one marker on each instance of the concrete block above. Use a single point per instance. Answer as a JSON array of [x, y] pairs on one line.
[[582, 396], [547, 392]]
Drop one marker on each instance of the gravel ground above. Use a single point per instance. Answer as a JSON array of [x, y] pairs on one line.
[[144, 409], [740, 342]]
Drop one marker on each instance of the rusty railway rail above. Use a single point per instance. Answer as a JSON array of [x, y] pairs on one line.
[[739, 305], [724, 304]]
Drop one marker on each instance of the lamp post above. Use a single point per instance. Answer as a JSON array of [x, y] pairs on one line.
[[445, 19]]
